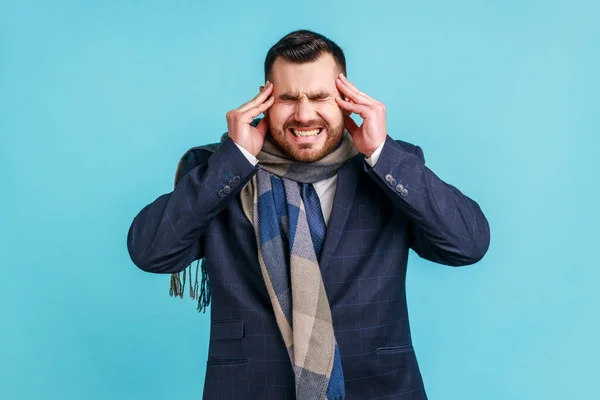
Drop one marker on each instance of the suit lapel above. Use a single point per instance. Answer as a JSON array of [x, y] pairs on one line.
[[348, 176]]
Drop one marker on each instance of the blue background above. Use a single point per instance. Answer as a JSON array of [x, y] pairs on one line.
[[99, 99]]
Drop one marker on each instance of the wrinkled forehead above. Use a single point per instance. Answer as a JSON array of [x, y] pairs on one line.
[[315, 76]]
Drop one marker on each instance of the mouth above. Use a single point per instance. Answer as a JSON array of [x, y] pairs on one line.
[[306, 133]]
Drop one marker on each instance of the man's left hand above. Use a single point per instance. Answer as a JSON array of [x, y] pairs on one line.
[[369, 136]]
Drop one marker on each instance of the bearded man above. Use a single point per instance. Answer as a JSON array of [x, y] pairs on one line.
[[303, 221]]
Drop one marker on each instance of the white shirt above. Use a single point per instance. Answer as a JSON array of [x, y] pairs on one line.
[[325, 188]]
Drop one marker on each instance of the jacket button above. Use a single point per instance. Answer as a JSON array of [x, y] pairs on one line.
[[227, 189], [236, 179], [404, 193], [389, 178], [393, 182], [222, 193], [399, 188]]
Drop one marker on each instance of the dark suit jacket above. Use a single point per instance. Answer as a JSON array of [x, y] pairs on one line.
[[378, 214]]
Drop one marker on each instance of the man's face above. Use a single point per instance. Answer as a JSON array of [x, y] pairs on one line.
[[305, 121]]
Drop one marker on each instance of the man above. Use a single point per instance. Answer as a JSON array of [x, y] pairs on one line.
[[304, 220]]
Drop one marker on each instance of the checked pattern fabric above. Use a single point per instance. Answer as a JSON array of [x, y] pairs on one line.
[[290, 232]]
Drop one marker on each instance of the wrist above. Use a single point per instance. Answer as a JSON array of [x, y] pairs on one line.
[[249, 155], [373, 149], [372, 158]]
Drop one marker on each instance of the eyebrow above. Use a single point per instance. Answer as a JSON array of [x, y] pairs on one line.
[[312, 96]]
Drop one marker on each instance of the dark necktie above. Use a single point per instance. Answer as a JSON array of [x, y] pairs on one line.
[[314, 214]]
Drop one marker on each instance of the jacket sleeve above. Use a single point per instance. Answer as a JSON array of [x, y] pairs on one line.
[[166, 235], [447, 227]]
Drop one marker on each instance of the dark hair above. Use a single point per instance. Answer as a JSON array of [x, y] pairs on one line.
[[303, 46]]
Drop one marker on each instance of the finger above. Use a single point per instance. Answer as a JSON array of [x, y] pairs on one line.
[[363, 94], [258, 99], [259, 109], [351, 94], [350, 124], [352, 85], [359, 109]]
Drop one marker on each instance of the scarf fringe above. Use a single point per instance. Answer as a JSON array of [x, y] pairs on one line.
[[178, 286]]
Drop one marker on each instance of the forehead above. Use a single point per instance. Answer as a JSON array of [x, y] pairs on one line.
[[315, 75]]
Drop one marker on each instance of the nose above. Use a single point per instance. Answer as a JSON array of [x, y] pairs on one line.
[[305, 111]]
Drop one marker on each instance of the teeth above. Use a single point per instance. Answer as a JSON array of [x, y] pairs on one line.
[[313, 132]]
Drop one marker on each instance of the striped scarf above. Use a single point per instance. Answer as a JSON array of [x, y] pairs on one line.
[[272, 203]]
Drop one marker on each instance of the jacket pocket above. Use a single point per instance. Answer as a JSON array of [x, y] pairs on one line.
[[227, 343], [396, 371], [394, 349], [227, 381], [227, 360]]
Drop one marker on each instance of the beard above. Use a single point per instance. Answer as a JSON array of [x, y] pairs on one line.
[[303, 152]]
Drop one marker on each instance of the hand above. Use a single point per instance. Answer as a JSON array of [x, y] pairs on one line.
[[238, 121], [369, 136]]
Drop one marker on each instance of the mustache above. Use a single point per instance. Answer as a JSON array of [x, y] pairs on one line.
[[297, 124]]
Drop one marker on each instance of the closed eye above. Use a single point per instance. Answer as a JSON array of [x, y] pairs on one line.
[[288, 97], [320, 96], [313, 96]]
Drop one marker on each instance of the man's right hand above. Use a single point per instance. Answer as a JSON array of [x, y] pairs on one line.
[[238, 121]]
